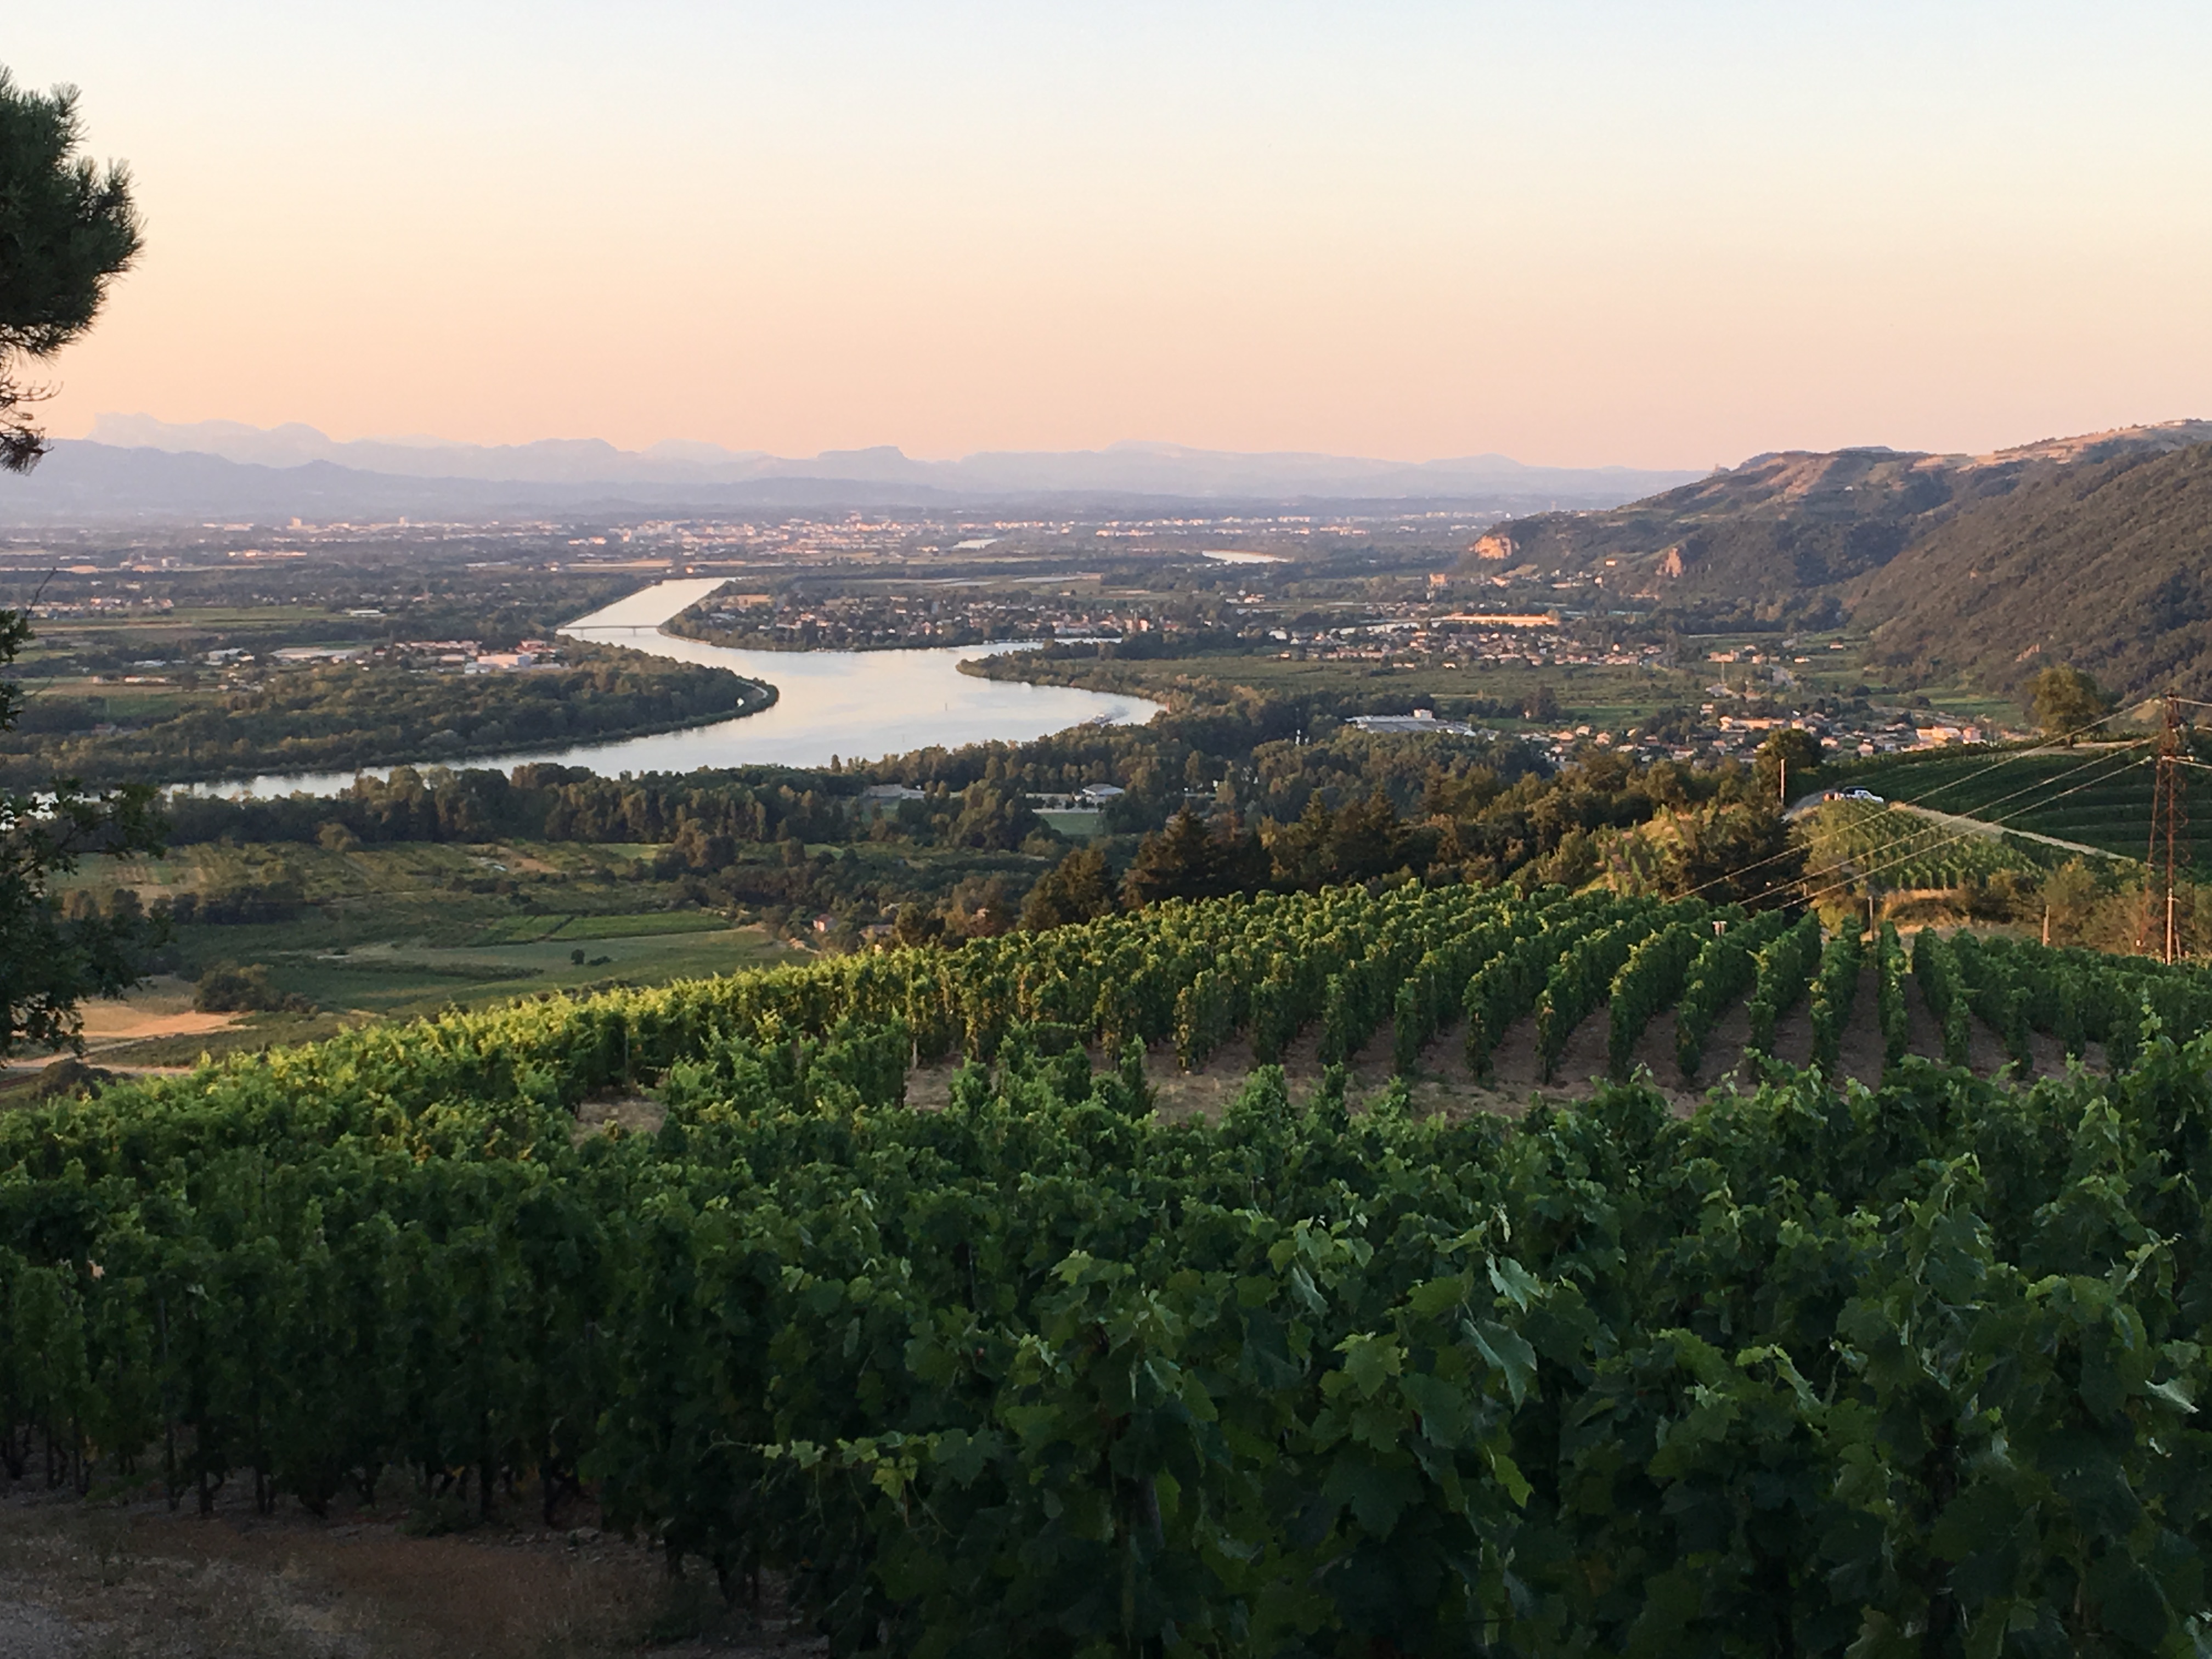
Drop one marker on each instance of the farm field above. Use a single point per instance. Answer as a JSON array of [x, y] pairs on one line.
[[2101, 795], [1611, 696], [1895, 847], [399, 930], [1075, 825], [928, 1248], [155, 1026], [440, 893]]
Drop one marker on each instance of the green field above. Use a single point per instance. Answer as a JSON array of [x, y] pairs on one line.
[[401, 981], [1613, 697], [2100, 797], [394, 930], [1072, 824], [406, 929], [403, 978], [574, 929], [1892, 848], [179, 637]]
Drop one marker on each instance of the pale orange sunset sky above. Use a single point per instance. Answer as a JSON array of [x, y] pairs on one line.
[[1653, 234]]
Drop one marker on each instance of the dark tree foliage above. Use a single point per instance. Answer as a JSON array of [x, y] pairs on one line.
[[1354, 808], [350, 716], [52, 957], [2065, 703], [1787, 759], [1080, 888], [1191, 859], [1358, 841], [228, 990], [1735, 854], [67, 227], [994, 816], [2100, 565]]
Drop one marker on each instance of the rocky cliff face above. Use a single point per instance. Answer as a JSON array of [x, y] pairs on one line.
[[1798, 524]]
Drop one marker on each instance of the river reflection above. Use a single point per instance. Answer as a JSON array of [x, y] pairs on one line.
[[857, 705]]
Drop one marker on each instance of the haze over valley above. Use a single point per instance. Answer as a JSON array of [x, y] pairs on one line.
[[134, 465]]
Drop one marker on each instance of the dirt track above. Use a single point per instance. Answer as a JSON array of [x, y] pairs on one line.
[[120, 1576]]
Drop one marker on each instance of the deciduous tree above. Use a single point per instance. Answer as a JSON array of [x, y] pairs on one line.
[[1787, 756], [2066, 703]]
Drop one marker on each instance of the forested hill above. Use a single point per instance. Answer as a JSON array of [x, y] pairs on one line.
[[2105, 565], [1795, 528]]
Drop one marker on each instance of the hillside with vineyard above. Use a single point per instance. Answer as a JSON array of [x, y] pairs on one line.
[[895, 1279]]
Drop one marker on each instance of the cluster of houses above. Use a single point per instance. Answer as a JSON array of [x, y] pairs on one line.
[[463, 656]]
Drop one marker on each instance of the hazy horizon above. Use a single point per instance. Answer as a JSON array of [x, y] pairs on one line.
[[123, 428], [1596, 235]]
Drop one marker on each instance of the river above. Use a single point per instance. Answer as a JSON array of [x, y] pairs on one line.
[[857, 705]]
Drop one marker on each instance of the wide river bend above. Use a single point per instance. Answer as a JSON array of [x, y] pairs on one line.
[[858, 705]]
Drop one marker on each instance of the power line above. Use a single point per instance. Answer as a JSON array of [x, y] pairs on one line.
[[2169, 821], [1962, 836], [2010, 759], [1836, 887], [1993, 819]]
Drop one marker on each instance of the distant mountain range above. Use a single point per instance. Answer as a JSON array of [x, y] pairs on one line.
[[2094, 551], [1975, 570], [135, 466]]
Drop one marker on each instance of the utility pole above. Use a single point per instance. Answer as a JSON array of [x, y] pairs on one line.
[[2159, 934]]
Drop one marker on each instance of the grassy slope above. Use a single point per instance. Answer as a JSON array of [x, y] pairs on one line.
[[1775, 525], [2103, 565], [2101, 796]]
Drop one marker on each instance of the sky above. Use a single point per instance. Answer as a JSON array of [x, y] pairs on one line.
[[1657, 233]]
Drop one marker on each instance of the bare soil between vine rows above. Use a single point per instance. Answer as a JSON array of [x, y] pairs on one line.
[[120, 1576], [1443, 1082]]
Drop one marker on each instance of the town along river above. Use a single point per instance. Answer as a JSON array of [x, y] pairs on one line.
[[857, 705]]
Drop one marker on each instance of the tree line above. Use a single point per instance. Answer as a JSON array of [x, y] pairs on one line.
[[351, 715]]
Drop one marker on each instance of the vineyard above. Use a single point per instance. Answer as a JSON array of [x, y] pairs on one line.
[[1904, 850], [2100, 797], [1816, 1369]]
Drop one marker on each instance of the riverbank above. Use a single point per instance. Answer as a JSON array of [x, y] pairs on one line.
[[827, 706], [686, 627], [346, 717]]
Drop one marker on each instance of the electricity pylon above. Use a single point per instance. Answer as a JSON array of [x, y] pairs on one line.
[[2161, 933]]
